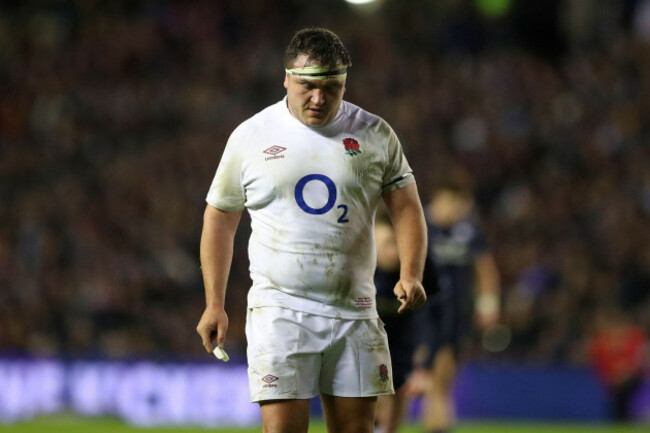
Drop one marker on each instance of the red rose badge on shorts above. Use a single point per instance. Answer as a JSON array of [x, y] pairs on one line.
[[383, 373], [351, 146]]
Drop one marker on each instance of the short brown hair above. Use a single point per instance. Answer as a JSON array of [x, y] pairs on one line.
[[320, 44]]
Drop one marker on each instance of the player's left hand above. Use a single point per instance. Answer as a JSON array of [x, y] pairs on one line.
[[485, 320], [487, 310], [418, 383], [410, 293]]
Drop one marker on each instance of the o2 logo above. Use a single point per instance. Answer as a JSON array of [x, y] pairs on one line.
[[331, 198]]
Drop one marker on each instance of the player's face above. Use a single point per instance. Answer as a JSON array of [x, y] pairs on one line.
[[448, 208], [313, 102]]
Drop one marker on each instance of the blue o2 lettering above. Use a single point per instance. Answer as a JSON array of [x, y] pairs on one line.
[[342, 218], [331, 188], [331, 197]]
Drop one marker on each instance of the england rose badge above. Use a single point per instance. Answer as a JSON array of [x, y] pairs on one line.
[[351, 146]]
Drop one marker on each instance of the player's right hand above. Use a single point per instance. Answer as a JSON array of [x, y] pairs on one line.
[[410, 293], [213, 327]]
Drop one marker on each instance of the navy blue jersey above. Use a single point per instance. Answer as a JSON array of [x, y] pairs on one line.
[[385, 282], [446, 319], [453, 251]]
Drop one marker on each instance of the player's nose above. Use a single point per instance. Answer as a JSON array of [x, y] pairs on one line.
[[317, 97]]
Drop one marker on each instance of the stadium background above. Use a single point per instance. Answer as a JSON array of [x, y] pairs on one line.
[[114, 114]]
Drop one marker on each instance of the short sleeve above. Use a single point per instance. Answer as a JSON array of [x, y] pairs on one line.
[[398, 173], [226, 192]]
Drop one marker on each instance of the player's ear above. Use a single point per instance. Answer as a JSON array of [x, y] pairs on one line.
[[286, 81]]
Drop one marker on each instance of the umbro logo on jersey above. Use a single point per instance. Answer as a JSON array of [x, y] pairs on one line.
[[274, 150]]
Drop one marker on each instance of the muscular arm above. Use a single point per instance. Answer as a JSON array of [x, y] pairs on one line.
[[219, 229], [406, 214]]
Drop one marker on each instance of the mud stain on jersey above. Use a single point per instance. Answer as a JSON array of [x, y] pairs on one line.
[[331, 266], [338, 277], [342, 287], [362, 170]]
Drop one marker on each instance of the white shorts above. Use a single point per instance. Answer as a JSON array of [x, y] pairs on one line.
[[297, 355]]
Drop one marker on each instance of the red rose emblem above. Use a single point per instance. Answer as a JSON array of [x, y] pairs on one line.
[[351, 146], [383, 373]]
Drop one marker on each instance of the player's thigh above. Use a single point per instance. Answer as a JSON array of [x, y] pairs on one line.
[[357, 363], [283, 362], [285, 416], [349, 414]]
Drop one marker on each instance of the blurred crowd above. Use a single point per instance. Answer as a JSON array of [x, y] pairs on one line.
[[113, 117]]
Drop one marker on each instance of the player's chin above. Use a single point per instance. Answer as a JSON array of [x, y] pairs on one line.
[[316, 121]]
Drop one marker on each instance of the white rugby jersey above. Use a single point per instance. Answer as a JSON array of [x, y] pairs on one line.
[[312, 194]]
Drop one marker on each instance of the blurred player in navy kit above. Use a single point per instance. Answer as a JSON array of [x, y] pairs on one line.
[[468, 294], [401, 341], [401, 328]]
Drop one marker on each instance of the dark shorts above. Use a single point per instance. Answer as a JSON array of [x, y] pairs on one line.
[[443, 324], [401, 344]]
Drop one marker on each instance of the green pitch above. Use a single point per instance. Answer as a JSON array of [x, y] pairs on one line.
[[75, 424]]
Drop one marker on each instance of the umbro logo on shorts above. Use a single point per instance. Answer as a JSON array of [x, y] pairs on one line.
[[269, 378], [274, 150]]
